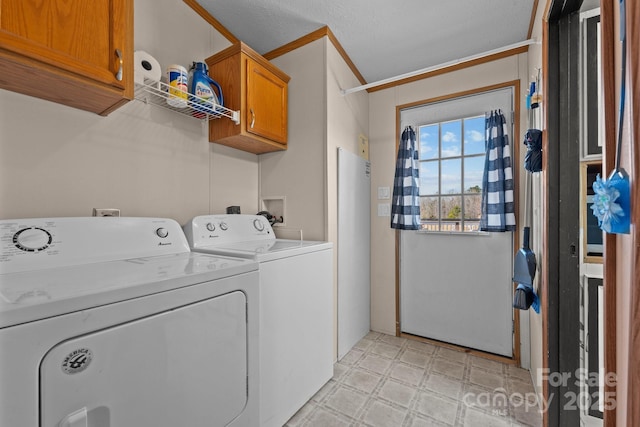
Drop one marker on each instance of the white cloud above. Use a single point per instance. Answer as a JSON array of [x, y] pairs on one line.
[[426, 148], [450, 151], [449, 137], [474, 136]]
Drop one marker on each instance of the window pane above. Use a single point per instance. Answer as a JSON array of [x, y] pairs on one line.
[[451, 214], [471, 225], [428, 178], [451, 176], [472, 207], [474, 135], [452, 157], [451, 138], [428, 142], [451, 225], [473, 170], [429, 209], [451, 208]]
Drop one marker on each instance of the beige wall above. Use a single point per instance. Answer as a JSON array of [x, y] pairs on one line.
[[382, 145], [320, 121], [299, 172], [382, 152], [347, 119], [146, 161]]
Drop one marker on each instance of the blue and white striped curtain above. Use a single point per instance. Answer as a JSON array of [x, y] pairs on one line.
[[405, 207], [497, 180]]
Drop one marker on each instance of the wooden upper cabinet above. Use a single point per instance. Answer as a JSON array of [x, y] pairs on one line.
[[68, 51], [267, 103], [258, 89]]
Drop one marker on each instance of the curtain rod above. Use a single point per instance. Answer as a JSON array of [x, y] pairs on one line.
[[440, 66]]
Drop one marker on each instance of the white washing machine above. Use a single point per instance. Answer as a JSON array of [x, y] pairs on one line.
[[296, 307], [114, 322]]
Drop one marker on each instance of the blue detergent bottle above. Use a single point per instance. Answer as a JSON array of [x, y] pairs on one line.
[[202, 87]]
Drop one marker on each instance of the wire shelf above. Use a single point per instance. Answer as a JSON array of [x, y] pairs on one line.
[[157, 93]]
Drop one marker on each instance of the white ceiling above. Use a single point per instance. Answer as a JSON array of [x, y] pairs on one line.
[[383, 38]]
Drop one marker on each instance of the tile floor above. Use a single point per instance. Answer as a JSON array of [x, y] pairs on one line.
[[386, 381]]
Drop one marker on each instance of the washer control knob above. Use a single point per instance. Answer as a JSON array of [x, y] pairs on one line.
[[223, 226], [162, 232], [258, 224], [211, 226], [32, 239]]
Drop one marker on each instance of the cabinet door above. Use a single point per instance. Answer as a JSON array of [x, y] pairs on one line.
[[63, 40], [266, 103]]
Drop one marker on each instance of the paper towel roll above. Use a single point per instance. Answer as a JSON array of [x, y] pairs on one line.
[[146, 67]]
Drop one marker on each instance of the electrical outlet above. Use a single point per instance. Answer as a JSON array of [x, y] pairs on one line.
[[106, 212]]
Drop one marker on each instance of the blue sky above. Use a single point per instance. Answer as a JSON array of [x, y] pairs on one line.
[[451, 146]]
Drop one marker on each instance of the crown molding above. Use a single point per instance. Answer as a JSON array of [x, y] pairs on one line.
[[193, 4]]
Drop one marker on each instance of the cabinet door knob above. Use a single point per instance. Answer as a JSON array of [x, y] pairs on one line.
[[120, 60], [253, 118]]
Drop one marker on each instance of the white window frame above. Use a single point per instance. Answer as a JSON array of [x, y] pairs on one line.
[[445, 225], [467, 105]]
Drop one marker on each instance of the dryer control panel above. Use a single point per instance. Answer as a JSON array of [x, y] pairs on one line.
[[206, 230], [38, 243]]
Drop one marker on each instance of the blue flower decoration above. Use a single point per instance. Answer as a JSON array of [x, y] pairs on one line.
[[605, 206]]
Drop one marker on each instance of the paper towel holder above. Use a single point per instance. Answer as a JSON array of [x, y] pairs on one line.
[[147, 69]]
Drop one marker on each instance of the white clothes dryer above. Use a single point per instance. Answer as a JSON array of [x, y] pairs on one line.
[[296, 307], [112, 322]]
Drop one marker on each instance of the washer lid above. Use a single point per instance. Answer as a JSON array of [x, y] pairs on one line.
[[267, 250], [34, 295]]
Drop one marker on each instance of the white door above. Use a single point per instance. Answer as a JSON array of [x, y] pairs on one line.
[[183, 367], [354, 231], [456, 287]]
